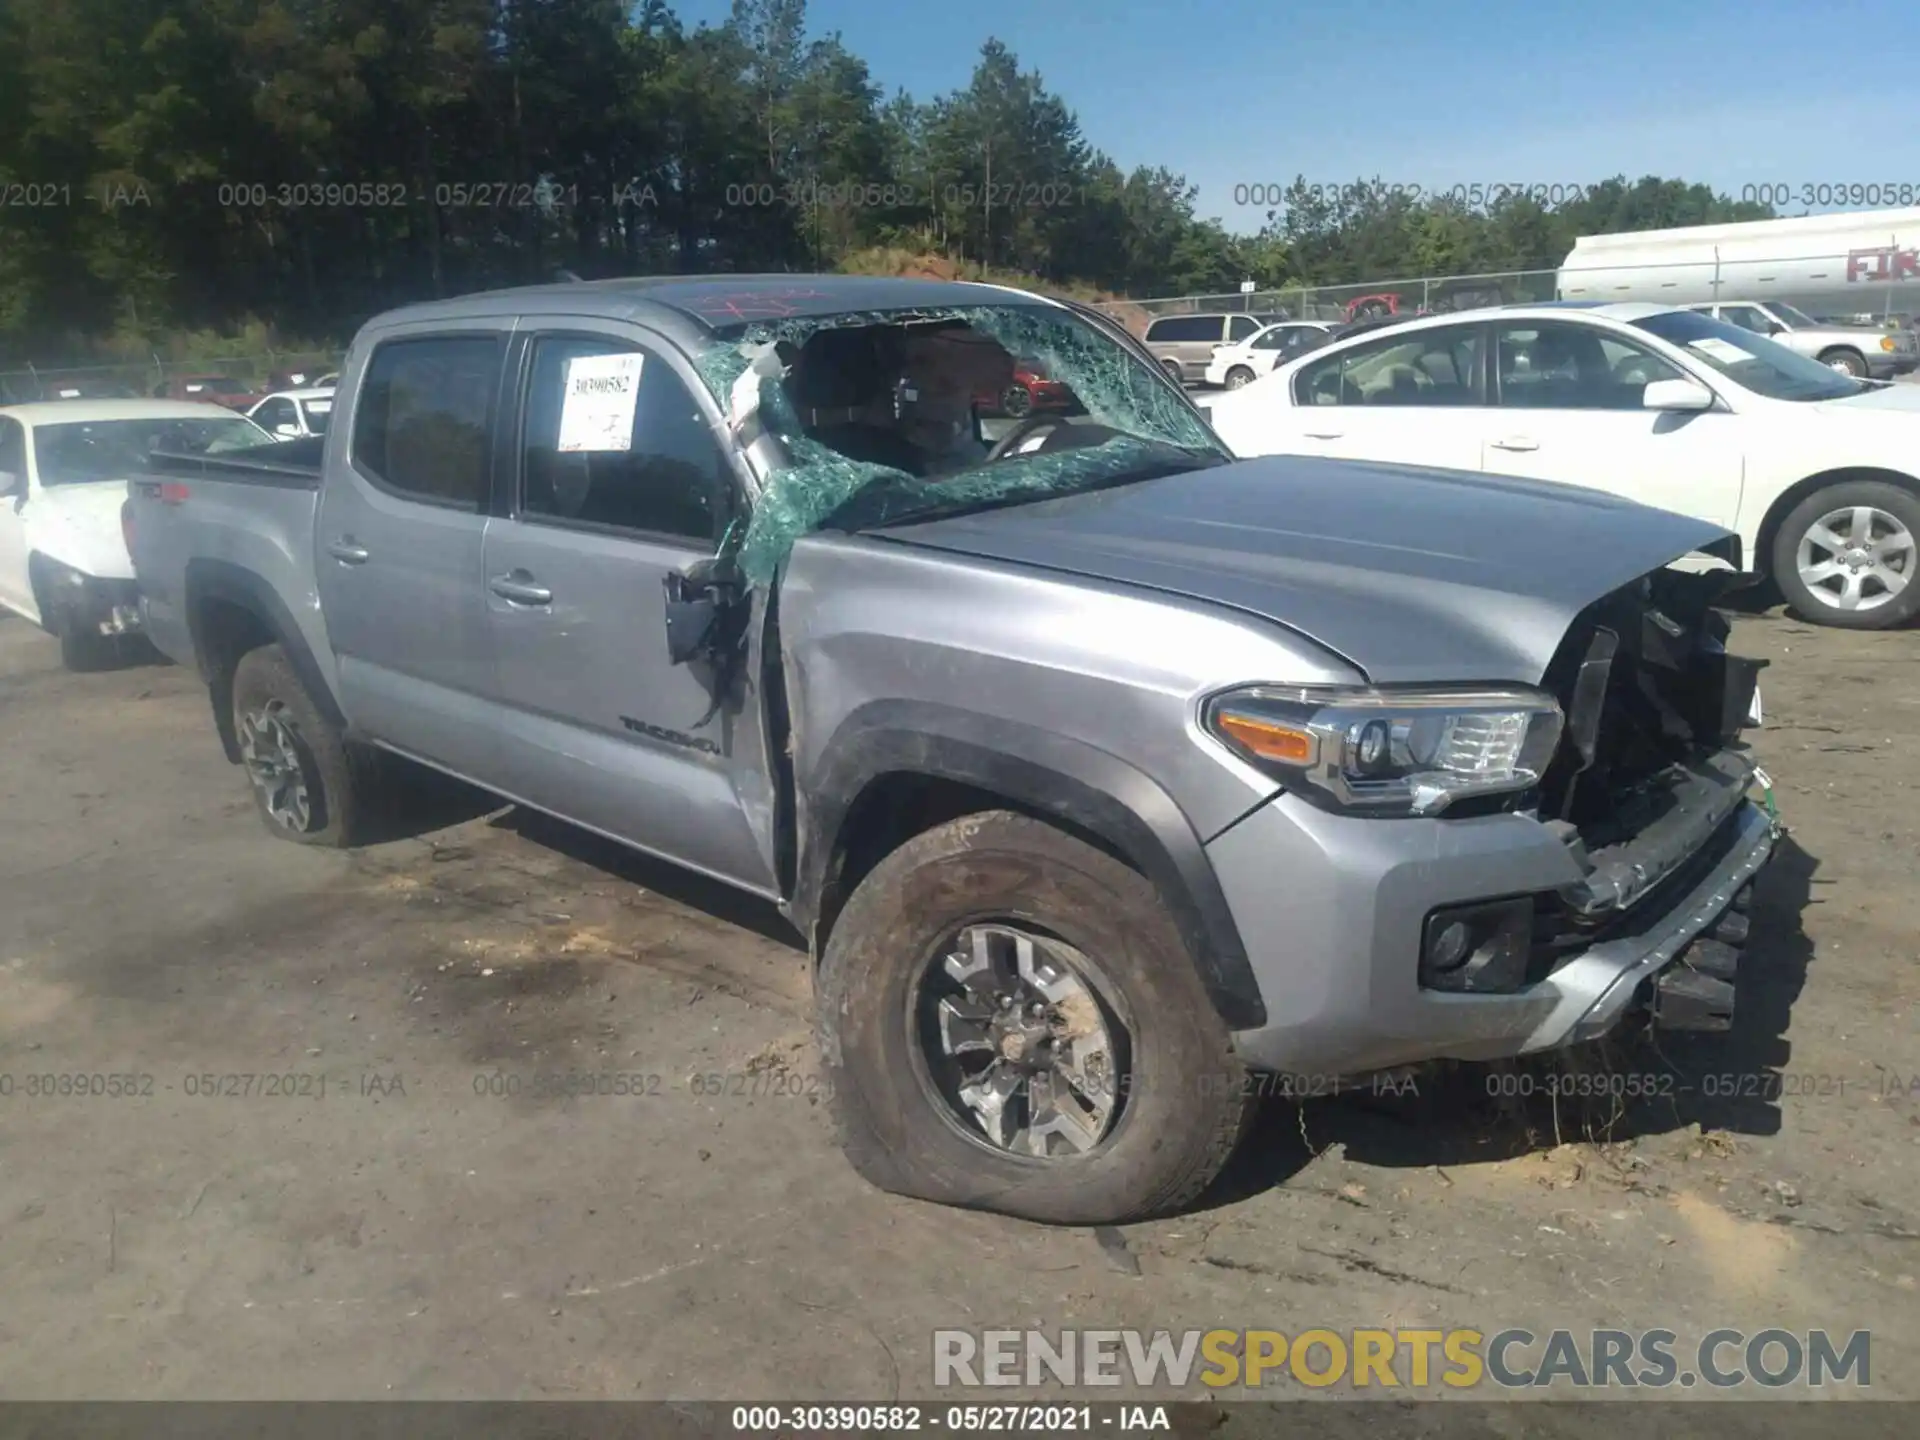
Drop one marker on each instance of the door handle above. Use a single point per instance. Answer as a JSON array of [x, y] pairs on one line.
[[347, 551], [517, 588], [1516, 442]]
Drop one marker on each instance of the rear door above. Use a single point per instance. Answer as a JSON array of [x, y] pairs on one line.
[[1408, 398], [619, 479], [398, 536], [1570, 410]]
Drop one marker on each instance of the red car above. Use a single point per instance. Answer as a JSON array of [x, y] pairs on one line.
[[212, 389], [1030, 391]]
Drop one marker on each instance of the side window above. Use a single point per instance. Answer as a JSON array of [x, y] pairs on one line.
[[1432, 367], [1572, 367], [1747, 317], [1272, 340], [1239, 327], [276, 412], [423, 423], [1183, 327], [613, 437]]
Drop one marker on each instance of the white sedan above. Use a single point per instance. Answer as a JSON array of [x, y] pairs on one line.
[[1816, 472], [294, 414], [63, 478], [1239, 364]]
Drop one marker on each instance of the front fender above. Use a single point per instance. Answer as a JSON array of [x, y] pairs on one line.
[[1047, 774]]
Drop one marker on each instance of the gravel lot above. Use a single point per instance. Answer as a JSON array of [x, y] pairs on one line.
[[409, 1233]]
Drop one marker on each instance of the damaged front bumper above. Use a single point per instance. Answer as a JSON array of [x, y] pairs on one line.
[[1334, 912]]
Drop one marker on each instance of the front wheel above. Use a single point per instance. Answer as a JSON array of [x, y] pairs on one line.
[[307, 785], [1847, 362], [1009, 1020], [1845, 556]]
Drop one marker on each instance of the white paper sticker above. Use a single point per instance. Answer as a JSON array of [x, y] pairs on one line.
[[597, 413], [1723, 351]]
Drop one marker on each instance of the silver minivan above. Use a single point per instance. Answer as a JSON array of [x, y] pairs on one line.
[[1184, 344]]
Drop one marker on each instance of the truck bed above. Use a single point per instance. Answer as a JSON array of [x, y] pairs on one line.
[[200, 523]]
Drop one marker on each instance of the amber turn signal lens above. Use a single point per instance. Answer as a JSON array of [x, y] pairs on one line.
[[1268, 739]]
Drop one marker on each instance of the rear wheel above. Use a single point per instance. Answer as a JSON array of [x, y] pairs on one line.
[[1239, 377], [1845, 556], [307, 784], [1009, 1020], [1017, 402], [1172, 367]]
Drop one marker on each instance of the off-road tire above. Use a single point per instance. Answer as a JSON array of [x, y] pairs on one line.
[[1896, 500], [1186, 1106], [338, 776]]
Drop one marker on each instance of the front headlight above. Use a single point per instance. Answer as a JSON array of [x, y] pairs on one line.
[[1390, 752]]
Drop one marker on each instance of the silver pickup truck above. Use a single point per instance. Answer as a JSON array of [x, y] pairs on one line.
[[1099, 772], [1863, 351]]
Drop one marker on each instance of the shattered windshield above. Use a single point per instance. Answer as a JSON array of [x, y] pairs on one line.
[[885, 417]]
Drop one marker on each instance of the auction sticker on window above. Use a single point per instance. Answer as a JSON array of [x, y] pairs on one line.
[[597, 412], [1721, 350]]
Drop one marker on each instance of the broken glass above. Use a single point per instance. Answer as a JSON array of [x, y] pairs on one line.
[[817, 487]]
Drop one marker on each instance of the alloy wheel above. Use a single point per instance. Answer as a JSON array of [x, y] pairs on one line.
[[271, 754], [1857, 557], [1018, 1047]]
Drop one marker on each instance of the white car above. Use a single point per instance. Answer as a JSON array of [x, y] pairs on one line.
[[63, 478], [1241, 364], [294, 414], [1818, 473]]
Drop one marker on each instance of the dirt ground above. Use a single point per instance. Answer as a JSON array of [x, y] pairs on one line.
[[408, 1232]]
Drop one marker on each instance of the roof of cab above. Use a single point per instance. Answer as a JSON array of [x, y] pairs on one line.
[[712, 302]]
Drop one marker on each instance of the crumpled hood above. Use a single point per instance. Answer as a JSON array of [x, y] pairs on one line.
[[1408, 574], [79, 525]]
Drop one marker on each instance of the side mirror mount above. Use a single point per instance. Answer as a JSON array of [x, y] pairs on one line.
[[702, 603], [1680, 395]]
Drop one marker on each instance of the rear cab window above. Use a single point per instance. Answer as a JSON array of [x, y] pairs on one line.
[[423, 424]]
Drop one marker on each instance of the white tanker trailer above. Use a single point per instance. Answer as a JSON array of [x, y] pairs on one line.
[[1861, 266]]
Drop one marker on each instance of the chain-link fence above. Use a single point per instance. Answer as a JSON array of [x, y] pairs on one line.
[[228, 376], [1428, 293], [1875, 286]]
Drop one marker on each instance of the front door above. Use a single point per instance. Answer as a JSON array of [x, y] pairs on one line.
[[16, 593], [399, 543], [620, 481], [1570, 410]]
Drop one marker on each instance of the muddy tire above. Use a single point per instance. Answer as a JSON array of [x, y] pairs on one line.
[[1841, 554], [308, 785], [1116, 981]]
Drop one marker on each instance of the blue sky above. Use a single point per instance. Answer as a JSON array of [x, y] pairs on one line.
[[1233, 93]]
